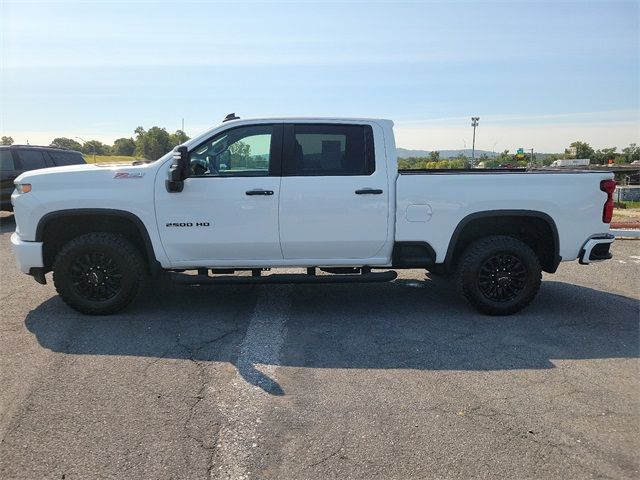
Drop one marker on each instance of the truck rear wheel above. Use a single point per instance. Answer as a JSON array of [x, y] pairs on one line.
[[98, 273], [499, 275]]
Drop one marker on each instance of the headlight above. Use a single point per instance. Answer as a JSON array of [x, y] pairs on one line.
[[23, 187]]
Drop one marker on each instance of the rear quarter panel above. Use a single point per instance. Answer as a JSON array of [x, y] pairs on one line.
[[573, 200]]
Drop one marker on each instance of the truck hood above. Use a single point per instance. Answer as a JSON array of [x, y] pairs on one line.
[[88, 171]]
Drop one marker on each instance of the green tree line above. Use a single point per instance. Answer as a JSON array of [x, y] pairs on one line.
[[150, 144], [582, 150]]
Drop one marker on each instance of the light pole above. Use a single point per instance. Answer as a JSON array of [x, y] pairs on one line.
[[532, 162], [92, 146], [474, 124]]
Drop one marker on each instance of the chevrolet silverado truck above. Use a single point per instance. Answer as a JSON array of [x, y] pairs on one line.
[[324, 196]]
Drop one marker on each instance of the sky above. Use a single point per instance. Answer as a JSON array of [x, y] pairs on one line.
[[538, 74]]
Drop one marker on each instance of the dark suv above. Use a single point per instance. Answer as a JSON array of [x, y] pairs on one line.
[[15, 159]]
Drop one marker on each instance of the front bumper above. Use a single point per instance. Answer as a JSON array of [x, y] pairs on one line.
[[596, 248], [28, 254]]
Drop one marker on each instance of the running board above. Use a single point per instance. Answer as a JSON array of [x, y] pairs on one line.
[[185, 279]]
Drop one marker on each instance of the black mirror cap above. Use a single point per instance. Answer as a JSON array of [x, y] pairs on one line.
[[181, 161], [179, 170]]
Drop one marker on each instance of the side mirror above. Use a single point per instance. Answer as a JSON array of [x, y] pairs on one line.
[[179, 170]]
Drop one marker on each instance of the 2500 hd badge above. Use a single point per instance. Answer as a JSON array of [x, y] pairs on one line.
[[188, 224]]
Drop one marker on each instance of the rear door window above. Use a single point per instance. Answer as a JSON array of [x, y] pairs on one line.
[[331, 150], [6, 160], [66, 158], [31, 159]]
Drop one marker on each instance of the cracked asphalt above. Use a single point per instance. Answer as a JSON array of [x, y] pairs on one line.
[[383, 381]]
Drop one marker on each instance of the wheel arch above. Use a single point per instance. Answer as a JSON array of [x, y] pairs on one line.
[[535, 228], [57, 228]]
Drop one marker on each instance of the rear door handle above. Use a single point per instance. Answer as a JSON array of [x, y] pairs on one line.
[[369, 191], [259, 192]]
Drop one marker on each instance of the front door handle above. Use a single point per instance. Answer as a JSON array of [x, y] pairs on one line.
[[369, 191], [259, 192]]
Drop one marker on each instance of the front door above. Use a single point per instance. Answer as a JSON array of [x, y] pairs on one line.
[[334, 198], [227, 213]]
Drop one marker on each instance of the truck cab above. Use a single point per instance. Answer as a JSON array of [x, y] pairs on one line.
[[257, 194]]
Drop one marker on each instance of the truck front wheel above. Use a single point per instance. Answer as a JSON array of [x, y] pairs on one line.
[[499, 275], [98, 273]]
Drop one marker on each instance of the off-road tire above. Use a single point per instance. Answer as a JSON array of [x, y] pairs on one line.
[[476, 275], [122, 264]]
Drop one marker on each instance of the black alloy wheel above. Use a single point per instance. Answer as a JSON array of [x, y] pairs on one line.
[[502, 277], [498, 274], [99, 273], [96, 276]]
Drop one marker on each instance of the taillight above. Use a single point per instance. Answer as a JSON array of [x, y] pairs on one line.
[[608, 186]]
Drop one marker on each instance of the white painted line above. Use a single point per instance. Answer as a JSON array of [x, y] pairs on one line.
[[254, 385]]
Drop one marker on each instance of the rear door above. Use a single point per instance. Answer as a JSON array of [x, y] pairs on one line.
[[334, 198], [30, 160]]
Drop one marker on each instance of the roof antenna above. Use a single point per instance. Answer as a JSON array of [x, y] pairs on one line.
[[231, 116]]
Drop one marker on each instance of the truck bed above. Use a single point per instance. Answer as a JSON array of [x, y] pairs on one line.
[[430, 204]]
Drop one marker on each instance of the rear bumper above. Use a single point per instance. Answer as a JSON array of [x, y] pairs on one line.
[[28, 254], [596, 248]]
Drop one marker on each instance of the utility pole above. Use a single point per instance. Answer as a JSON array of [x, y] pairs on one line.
[[474, 124], [532, 163], [183, 124]]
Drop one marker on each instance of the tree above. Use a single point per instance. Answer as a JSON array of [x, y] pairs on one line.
[[504, 157], [583, 149], [152, 144], [68, 143], [240, 154], [434, 156], [6, 141], [123, 146], [178, 138], [97, 147], [603, 156], [631, 153]]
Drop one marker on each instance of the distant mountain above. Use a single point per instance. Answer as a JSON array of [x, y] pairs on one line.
[[444, 154]]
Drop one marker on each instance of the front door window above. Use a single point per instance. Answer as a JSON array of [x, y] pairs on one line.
[[240, 152]]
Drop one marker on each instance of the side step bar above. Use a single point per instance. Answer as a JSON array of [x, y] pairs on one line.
[[185, 279]]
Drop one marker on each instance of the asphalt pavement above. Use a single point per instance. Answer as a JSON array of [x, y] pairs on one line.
[[372, 381]]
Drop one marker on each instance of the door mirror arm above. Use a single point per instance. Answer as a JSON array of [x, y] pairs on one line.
[[179, 170]]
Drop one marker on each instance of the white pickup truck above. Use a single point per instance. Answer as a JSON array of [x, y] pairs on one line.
[[321, 194]]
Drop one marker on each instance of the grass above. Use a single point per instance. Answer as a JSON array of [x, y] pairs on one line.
[[110, 158], [628, 205]]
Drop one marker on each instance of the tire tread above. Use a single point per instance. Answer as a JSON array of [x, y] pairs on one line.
[[135, 265], [475, 253]]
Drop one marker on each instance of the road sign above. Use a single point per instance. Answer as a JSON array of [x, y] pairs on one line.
[[520, 153]]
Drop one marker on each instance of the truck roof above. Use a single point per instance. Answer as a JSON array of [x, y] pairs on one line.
[[229, 120], [308, 119]]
